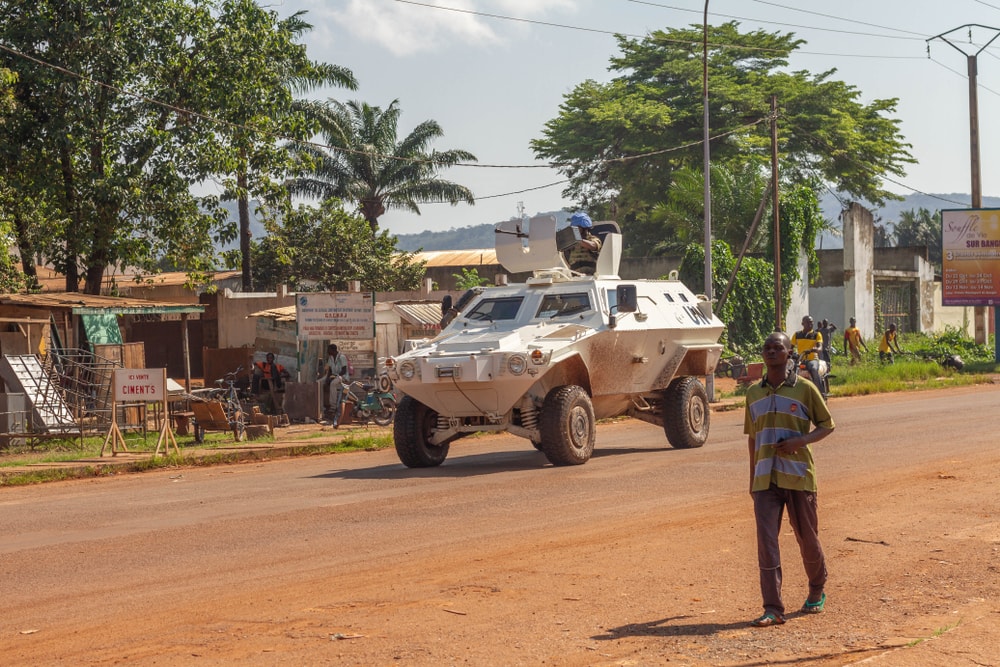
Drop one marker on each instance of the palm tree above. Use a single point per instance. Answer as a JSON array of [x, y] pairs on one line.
[[284, 65], [364, 163]]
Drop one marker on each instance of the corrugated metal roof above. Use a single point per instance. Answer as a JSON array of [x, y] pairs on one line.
[[424, 314], [282, 314], [51, 280], [480, 257], [81, 303]]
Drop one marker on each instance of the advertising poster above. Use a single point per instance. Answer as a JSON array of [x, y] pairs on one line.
[[970, 265]]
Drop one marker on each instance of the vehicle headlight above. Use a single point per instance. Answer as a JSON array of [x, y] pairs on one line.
[[407, 370], [517, 363]]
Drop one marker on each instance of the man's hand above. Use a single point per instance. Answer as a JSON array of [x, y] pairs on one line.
[[791, 445]]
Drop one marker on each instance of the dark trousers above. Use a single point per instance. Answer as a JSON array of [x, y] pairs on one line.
[[768, 508]]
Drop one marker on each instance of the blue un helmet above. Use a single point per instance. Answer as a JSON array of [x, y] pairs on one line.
[[581, 219]]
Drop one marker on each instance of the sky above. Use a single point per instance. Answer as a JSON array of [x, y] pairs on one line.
[[492, 83]]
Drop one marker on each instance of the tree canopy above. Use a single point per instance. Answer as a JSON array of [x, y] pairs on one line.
[[262, 67], [625, 143], [920, 227], [324, 248], [120, 109]]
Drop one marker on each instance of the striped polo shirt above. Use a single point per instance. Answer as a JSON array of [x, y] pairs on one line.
[[773, 415]]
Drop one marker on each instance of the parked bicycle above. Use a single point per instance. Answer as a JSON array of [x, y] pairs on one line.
[[233, 417]]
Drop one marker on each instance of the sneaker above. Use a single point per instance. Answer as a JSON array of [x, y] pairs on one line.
[[768, 620]]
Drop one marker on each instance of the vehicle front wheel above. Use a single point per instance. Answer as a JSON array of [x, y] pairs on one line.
[[568, 426], [411, 432], [685, 413]]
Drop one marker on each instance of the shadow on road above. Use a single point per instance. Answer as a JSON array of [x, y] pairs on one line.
[[486, 463]]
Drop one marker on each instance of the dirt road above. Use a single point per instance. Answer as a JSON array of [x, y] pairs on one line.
[[643, 556]]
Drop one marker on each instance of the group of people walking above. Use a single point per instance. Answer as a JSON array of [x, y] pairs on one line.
[[815, 345]]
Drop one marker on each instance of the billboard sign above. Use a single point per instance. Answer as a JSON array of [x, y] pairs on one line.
[[970, 264], [335, 316]]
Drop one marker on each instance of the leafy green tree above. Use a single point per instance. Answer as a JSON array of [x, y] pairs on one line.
[[468, 279], [261, 66], [104, 164], [324, 248], [364, 162], [749, 309], [123, 107], [920, 228], [672, 224], [622, 143], [11, 280]]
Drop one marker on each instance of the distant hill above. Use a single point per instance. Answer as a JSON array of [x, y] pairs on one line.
[[482, 236], [463, 238], [890, 212]]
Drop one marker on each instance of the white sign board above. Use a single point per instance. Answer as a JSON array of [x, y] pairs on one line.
[[139, 385], [335, 316]]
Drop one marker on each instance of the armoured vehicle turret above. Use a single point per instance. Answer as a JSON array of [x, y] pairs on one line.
[[545, 359]]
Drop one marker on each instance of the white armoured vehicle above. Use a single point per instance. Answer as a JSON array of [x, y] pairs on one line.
[[546, 359]]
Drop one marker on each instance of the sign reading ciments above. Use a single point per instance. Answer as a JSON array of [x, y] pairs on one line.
[[970, 264], [139, 385]]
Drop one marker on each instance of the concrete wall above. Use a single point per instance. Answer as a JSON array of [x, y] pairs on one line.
[[230, 311], [858, 267]]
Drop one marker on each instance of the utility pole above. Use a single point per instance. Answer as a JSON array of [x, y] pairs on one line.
[[977, 185], [710, 379], [775, 213]]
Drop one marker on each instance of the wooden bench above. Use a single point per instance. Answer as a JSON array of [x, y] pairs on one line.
[[182, 422]]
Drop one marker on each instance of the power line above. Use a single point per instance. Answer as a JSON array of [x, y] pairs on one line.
[[790, 25], [682, 42], [838, 18], [823, 144]]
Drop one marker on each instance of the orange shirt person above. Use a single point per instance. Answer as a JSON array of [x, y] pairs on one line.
[[268, 375]]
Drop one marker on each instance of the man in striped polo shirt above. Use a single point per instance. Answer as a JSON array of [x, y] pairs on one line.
[[781, 412]]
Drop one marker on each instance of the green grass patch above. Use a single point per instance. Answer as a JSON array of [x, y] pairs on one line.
[[906, 374], [191, 457]]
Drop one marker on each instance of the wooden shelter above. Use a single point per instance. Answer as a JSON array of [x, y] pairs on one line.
[[77, 320]]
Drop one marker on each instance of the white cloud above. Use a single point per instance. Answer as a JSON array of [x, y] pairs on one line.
[[404, 29]]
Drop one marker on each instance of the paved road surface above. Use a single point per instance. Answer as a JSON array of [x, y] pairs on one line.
[[643, 555]]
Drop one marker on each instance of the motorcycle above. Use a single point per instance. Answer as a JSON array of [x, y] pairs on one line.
[[824, 373], [371, 402]]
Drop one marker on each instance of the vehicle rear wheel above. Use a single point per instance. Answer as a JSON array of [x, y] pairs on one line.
[[413, 427], [384, 416], [685, 413], [568, 426]]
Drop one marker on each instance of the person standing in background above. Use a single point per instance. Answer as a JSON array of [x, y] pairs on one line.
[[853, 342]]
